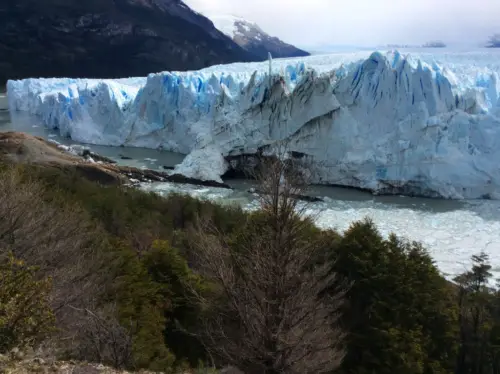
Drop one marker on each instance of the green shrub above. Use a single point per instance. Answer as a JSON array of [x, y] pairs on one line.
[[167, 267], [140, 308], [121, 210], [150, 290], [25, 315]]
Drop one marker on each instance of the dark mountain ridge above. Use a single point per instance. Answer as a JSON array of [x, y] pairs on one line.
[[107, 39]]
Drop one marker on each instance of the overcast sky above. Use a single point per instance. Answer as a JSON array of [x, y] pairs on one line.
[[365, 22]]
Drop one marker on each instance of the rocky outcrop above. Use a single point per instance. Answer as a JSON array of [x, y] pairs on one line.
[[300, 197], [107, 38], [17, 362], [29, 361]]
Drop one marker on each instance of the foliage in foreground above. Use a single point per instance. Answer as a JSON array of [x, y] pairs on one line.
[[25, 314], [127, 283]]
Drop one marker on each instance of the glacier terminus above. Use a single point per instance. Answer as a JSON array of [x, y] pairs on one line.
[[417, 124]]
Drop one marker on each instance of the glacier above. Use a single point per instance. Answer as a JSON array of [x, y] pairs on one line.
[[416, 124]]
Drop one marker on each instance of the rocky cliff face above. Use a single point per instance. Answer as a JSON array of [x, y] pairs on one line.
[[107, 38], [252, 38]]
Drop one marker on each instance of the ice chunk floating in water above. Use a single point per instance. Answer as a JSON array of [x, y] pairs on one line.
[[420, 125]]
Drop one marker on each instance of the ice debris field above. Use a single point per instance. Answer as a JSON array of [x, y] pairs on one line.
[[425, 124]]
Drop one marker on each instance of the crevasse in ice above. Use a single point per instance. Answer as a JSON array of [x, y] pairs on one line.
[[386, 122]]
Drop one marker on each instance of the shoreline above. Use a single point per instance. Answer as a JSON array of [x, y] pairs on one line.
[[237, 172]]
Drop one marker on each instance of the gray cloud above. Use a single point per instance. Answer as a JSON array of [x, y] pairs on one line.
[[365, 22]]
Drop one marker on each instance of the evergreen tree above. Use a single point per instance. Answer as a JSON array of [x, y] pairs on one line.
[[400, 316], [475, 299], [168, 268]]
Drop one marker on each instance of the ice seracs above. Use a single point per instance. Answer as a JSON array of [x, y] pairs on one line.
[[386, 122]]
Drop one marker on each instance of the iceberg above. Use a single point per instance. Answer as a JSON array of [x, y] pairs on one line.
[[417, 124], [205, 164]]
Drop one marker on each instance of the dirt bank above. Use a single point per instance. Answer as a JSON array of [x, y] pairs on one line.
[[22, 148]]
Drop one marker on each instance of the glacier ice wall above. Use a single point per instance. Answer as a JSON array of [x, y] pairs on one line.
[[386, 122]]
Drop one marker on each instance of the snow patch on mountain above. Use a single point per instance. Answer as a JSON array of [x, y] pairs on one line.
[[251, 37], [385, 122], [227, 23], [234, 27]]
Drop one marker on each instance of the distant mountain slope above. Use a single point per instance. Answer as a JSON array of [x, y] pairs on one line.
[[252, 38], [434, 44], [107, 38]]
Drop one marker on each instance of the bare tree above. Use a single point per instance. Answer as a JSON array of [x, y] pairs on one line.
[[57, 238], [101, 338], [267, 312]]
